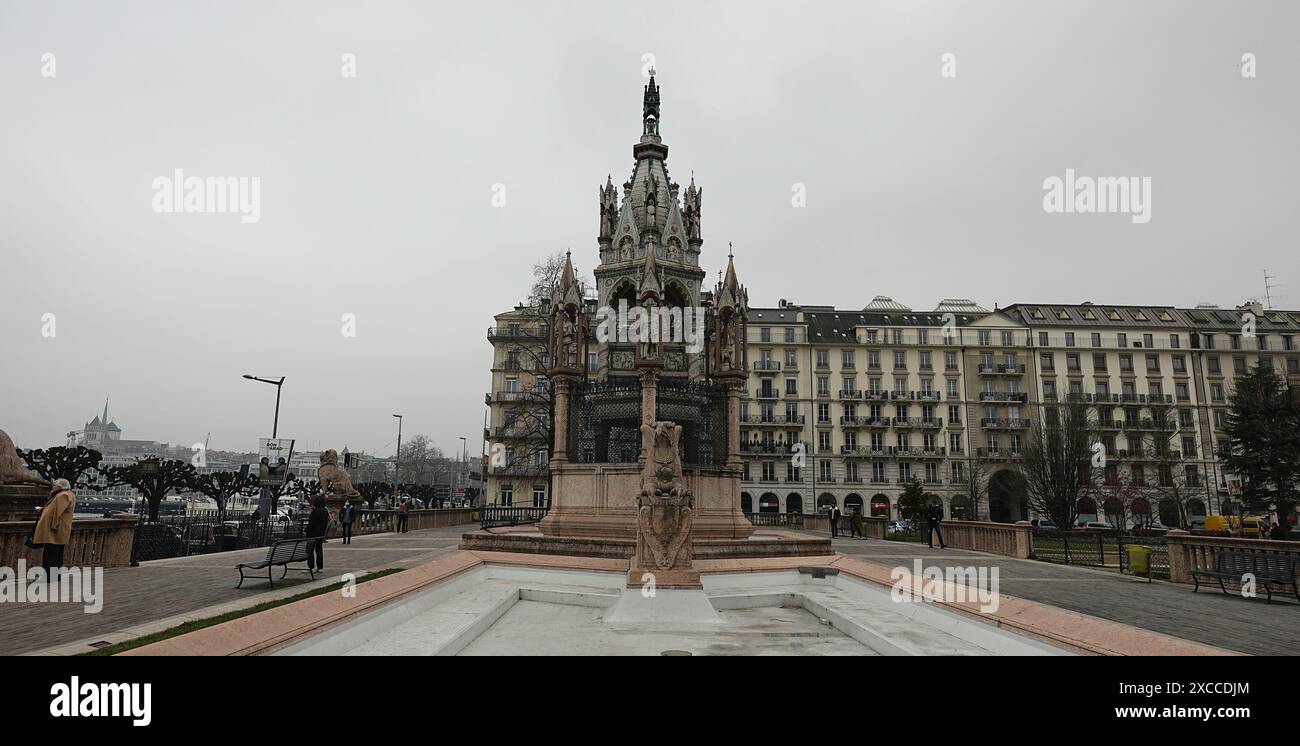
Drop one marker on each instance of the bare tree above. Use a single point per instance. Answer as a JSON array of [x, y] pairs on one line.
[[1058, 461], [527, 430], [975, 480]]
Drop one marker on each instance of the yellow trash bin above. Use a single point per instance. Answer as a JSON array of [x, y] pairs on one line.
[[1139, 560]]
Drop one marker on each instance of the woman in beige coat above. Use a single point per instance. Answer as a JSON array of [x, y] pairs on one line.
[[54, 528]]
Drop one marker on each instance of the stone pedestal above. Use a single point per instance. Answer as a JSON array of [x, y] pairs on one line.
[[21, 502], [664, 550]]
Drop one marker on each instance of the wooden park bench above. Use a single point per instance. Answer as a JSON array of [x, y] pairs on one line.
[[1269, 570], [282, 553]]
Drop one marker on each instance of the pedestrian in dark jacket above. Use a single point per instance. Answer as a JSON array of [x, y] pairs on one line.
[[403, 514], [932, 521], [836, 515], [856, 524], [347, 514], [317, 523]]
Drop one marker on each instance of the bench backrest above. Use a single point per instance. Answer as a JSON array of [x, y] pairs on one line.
[[1277, 567], [1234, 561], [290, 550]]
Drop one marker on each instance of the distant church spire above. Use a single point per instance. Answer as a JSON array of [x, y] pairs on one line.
[[105, 420]]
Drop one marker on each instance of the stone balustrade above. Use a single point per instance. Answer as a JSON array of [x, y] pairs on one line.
[[95, 542], [1188, 552], [380, 521], [1008, 539], [873, 527]]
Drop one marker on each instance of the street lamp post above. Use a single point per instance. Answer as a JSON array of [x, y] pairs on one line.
[[275, 426], [397, 460]]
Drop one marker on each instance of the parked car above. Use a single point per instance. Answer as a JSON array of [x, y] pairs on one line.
[[1097, 525], [1046, 524]]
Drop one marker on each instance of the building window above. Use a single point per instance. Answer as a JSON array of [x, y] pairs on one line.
[[789, 334], [984, 337], [823, 359], [765, 334], [846, 358]]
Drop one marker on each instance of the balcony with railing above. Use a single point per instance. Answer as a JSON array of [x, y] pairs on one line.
[[507, 333], [998, 454], [926, 422], [1001, 369], [1004, 423], [1146, 424], [852, 394], [514, 431], [772, 419], [767, 365], [531, 395], [767, 394], [910, 452], [1004, 396], [521, 469]]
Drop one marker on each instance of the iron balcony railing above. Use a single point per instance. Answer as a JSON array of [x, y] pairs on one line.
[[767, 365], [1009, 369], [1003, 423], [1004, 396], [772, 419], [918, 422], [998, 453], [493, 516], [495, 333]]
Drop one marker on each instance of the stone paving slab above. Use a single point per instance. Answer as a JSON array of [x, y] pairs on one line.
[[163, 593], [1209, 617]]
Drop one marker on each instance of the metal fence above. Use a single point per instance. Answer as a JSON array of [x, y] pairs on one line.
[[493, 516], [1104, 549], [209, 531]]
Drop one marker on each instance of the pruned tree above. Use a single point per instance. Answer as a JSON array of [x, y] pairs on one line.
[[372, 492], [79, 465], [1261, 442], [154, 478], [1057, 462], [222, 485]]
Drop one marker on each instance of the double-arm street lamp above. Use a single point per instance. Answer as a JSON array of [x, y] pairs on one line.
[[275, 427]]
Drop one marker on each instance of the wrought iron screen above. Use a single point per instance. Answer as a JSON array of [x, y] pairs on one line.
[[605, 423], [701, 410]]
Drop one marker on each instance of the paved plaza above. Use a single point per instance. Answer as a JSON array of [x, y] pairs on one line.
[[161, 594], [158, 595], [1209, 617]]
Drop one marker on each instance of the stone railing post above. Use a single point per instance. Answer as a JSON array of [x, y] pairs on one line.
[[1180, 570]]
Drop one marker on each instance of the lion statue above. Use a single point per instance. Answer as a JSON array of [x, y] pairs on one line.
[[13, 470], [333, 480]]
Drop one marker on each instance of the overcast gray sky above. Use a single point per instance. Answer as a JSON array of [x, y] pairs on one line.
[[376, 190]]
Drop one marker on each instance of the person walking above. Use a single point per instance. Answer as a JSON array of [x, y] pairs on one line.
[[855, 523], [836, 515], [932, 520], [403, 513], [317, 523], [54, 527], [347, 514]]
